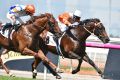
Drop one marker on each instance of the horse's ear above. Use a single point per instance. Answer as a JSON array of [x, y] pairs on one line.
[[96, 24]]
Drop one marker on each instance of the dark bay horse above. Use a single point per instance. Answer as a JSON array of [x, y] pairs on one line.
[[73, 42], [25, 40]]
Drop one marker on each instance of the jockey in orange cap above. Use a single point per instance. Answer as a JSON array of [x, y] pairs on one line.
[[69, 19], [17, 11]]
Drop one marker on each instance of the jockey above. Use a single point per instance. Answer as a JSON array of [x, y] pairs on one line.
[[67, 19], [17, 11]]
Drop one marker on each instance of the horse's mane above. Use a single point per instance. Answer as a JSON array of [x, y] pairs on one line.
[[31, 20], [90, 20]]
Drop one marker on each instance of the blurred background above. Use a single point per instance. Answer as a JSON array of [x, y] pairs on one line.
[[108, 11]]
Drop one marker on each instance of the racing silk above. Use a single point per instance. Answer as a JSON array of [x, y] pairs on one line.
[[64, 18], [17, 10]]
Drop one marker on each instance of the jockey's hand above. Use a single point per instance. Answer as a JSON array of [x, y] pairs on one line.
[[75, 23]]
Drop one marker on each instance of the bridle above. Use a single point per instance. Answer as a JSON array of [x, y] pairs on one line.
[[91, 32]]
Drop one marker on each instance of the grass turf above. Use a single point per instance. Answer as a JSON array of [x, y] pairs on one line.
[[14, 78]]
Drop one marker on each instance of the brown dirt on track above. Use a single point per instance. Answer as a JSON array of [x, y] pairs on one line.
[[87, 69]]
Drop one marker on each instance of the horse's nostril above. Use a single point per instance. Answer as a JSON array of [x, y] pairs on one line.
[[107, 40]]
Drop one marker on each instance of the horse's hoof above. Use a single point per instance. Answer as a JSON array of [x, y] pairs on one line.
[[102, 76], [11, 75], [74, 71], [100, 72], [59, 71], [34, 75], [58, 77]]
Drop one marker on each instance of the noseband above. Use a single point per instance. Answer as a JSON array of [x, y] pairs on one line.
[[91, 32]]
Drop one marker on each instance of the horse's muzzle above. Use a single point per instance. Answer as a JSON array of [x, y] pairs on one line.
[[106, 40]]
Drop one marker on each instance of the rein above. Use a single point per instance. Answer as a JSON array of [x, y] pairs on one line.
[[68, 32], [92, 33], [89, 31]]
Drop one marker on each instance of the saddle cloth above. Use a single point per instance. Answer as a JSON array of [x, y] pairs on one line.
[[6, 33], [51, 40]]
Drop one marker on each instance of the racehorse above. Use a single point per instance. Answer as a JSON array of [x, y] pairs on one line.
[[25, 39], [73, 42]]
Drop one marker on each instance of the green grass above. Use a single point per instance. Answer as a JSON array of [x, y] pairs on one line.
[[14, 78]]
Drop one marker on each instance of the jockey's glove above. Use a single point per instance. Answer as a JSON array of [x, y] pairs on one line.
[[74, 24]]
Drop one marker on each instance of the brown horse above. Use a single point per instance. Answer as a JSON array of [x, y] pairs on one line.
[[73, 42], [25, 40]]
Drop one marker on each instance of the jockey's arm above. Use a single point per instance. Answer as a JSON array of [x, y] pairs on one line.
[[66, 22], [31, 16], [14, 20]]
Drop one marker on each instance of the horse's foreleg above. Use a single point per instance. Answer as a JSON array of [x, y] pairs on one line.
[[88, 60], [2, 64], [78, 67], [34, 66], [74, 55], [4, 67], [45, 60], [49, 64], [39, 55]]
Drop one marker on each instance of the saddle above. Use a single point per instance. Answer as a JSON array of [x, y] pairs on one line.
[[10, 27], [6, 26]]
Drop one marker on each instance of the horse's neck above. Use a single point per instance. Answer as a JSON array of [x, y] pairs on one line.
[[79, 33], [35, 27], [40, 22], [85, 34]]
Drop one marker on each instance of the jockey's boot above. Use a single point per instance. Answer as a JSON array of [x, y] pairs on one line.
[[16, 26], [56, 37]]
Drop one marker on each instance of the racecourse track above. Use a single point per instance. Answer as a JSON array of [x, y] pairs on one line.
[[65, 76]]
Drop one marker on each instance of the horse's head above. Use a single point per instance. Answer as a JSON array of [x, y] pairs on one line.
[[45, 21], [52, 24], [94, 26]]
